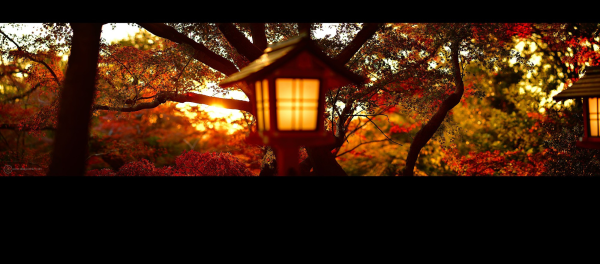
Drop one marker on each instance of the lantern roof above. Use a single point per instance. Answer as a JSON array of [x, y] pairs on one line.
[[586, 86], [280, 53]]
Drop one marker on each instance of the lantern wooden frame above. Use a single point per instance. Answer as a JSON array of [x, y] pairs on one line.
[[296, 58], [588, 141], [273, 134]]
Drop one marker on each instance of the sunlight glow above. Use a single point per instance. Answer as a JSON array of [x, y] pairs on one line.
[[536, 59], [229, 115], [215, 111], [121, 31]]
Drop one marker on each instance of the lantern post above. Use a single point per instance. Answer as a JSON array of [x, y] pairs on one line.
[[286, 87]]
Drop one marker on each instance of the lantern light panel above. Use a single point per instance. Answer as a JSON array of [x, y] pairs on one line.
[[593, 116], [297, 103]]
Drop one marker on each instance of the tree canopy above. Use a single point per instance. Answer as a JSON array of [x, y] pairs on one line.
[[441, 98]]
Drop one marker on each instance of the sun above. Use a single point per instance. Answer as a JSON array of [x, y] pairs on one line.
[[216, 111]]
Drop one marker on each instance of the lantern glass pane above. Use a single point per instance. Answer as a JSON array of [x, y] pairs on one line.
[[259, 108], [593, 117], [297, 103], [593, 103], [594, 128], [262, 104], [267, 120]]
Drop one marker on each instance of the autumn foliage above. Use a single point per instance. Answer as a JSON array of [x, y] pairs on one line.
[[496, 163], [190, 163], [505, 124]]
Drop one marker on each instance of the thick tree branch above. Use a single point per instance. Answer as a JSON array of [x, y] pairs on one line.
[[304, 27], [362, 143], [184, 98], [259, 37], [427, 131], [324, 162], [202, 53], [241, 44], [214, 101], [363, 35]]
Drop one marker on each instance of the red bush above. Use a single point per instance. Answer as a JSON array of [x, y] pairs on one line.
[[193, 163], [189, 163], [101, 172]]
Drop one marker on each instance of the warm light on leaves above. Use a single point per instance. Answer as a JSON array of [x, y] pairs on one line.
[[505, 124]]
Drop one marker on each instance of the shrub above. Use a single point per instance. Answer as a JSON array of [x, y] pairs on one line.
[[189, 163]]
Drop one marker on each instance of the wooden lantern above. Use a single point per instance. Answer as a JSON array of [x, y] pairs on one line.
[[588, 88], [286, 87]]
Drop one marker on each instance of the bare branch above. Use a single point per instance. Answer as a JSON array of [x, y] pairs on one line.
[[355, 129], [202, 53], [362, 143], [367, 31], [241, 44], [33, 59], [183, 70], [259, 37], [382, 131], [124, 66], [343, 117], [183, 98]]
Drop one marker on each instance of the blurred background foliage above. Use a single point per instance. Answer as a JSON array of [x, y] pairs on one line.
[[506, 123]]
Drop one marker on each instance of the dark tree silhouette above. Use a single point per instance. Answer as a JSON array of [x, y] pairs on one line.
[[76, 98]]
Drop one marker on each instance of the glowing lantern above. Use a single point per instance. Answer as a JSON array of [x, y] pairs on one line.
[[588, 88], [286, 87]]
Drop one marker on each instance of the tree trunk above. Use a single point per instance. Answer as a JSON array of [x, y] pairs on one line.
[[268, 168], [76, 98], [320, 160], [427, 131], [324, 162]]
